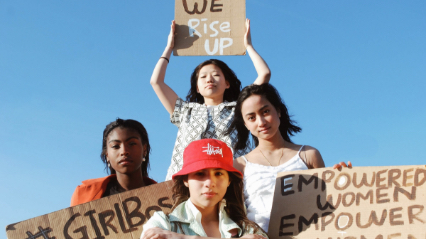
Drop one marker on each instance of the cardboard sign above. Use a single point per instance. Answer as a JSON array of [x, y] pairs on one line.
[[209, 27], [362, 202], [117, 216]]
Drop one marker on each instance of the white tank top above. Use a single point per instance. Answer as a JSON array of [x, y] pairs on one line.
[[259, 187]]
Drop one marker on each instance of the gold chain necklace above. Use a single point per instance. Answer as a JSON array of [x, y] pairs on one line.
[[282, 153]]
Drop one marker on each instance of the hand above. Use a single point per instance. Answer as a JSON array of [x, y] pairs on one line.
[[171, 38], [253, 236], [342, 165], [158, 233], [247, 36]]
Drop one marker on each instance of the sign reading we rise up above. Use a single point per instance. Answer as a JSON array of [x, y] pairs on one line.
[[209, 27]]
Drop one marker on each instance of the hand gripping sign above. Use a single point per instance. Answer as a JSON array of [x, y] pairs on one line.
[[362, 202], [209, 27], [117, 216]]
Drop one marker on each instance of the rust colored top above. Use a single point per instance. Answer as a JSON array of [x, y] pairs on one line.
[[93, 189]]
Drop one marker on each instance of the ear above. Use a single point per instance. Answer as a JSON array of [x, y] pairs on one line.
[[185, 181], [279, 113], [198, 91], [227, 84], [144, 151]]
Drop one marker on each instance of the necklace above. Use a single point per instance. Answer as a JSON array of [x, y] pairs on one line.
[[282, 153]]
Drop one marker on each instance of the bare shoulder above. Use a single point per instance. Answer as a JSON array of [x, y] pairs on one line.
[[312, 157], [240, 164]]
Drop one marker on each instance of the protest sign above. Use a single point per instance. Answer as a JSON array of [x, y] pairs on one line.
[[362, 202], [209, 27], [117, 216]]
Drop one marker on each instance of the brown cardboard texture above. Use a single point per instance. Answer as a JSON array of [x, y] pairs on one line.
[[209, 27], [362, 202], [117, 216]]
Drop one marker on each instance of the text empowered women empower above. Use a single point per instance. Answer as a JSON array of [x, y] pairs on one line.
[[363, 202]]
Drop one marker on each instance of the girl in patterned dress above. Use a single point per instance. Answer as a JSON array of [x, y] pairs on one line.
[[209, 105]]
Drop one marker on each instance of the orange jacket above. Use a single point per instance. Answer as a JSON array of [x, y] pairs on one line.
[[93, 189]]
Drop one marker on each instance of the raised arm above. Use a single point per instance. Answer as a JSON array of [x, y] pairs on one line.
[[262, 69], [166, 95]]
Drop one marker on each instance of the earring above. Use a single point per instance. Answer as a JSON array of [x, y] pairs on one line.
[[143, 159], [109, 165]]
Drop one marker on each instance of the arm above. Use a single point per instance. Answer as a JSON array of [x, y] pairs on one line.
[[166, 95], [313, 158], [240, 164], [262, 69]]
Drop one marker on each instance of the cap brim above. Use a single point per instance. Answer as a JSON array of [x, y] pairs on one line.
[[203, 164]]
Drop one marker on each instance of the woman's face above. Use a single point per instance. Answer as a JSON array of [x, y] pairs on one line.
[[125, 151], [207, 187], [211, 82], [260, 117]]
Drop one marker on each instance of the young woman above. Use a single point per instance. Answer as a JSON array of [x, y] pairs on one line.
[[261, 112], [208, 198], [125, 152], [209, 105]]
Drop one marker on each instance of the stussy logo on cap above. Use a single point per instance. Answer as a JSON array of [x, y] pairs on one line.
[[210, 149]]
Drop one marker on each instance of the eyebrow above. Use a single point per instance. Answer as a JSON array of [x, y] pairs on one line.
[[116, 140], [263, 107]]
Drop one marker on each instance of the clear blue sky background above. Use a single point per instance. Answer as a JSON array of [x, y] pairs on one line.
[[353, 74]]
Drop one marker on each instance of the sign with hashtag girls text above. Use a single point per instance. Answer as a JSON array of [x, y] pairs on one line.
[[117, 216]]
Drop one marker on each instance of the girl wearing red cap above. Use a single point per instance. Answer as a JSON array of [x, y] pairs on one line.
[[208, 198], [261, 112], [210, 102]]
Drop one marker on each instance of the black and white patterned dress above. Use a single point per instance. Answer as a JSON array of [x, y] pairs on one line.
[[196, 122]]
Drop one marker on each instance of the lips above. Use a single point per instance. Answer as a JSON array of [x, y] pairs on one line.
[[264, 130], [125, 161], [210, 86], [210, 194]]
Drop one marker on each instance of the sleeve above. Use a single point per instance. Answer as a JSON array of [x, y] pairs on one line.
[[74, 197], [178, 112], [160, 220]]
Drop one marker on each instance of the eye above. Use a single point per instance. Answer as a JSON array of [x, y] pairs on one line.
[[266, 111], [199, 173], [218, 173], [250, 118], [115, 146]]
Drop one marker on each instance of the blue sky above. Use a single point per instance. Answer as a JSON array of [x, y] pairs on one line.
[[352, 73]]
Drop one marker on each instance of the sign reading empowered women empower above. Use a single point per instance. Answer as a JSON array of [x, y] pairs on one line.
[[117, 216], [209, 27], [362, 202]]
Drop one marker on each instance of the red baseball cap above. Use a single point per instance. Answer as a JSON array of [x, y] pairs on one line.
[[207, 153]]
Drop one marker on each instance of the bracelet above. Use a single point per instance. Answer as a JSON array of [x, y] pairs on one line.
[[165, 59]]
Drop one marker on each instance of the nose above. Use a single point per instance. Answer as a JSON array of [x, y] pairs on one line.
[[124, 150], [261, 121], [209, 78], [210, 181]]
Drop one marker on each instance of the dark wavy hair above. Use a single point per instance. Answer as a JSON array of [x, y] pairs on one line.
[[231, 94], [127, 124], [233, 196], [287, 127]]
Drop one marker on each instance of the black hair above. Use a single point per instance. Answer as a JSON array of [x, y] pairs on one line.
[[231, 94], [287, 127], [127, 124], [234, 200]]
